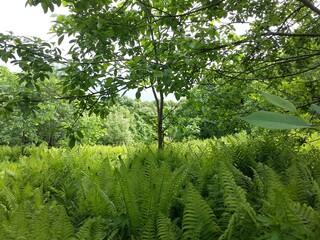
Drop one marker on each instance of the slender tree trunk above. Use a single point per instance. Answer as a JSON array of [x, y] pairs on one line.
[[159, 100], [160, 122], [159, 104]]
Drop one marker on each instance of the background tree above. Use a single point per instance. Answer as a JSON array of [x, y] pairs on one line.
[[144, 114], [169, 46], [32, 116], [137, 45], [119, 126]]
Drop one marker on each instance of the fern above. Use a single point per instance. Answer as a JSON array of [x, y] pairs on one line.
[[306, 220], [238, 211], [109, 193], [198, 218], [149, 230], [60, 227], [166, 230], [18, 224], [8, 199], [316, 190], [300, 183], [234, 195], [291, 221], [92, 229], [258, 193], [131, 204]]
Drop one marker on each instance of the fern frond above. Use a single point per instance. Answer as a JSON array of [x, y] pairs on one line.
[[92, 229], [113, 234], [316, 190], [198, 219], [275, 191], [228, 233], [304, 215], [149, 230], [8, 199], [234, 195], [40, 224], [300, 183], [60, 227], [18, 224], [130, 201], [165, 228], [238, 212], [169, 186]]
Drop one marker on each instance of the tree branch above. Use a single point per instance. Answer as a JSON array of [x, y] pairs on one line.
[[309, 5], [292, 34]]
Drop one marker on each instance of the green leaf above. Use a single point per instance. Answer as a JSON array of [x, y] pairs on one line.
[[44, 7], [279, 102], [72, 142], [177, 96], [138, 94], [158, 74], [315, 108], [9, 107], [276, 120], [51, 7], [80, 134], [109, 82], [60, 40]]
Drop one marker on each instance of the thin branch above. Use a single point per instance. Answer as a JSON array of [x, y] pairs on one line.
[[192, 11], [292, 34], [93, 94], [309, 5], [295, 12]]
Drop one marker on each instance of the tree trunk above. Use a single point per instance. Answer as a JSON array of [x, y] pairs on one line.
[[160, 122], [159, 104]]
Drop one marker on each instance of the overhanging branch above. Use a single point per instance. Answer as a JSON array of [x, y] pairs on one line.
[[309, 5], [293, 34]]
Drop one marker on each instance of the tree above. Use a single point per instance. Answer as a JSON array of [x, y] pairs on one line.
[[29, 116], [136, 45], [132, 45], [144, 118], [169, 46], [118, 127]]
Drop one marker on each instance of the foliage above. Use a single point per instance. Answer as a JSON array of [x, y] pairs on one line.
[[237, 187], [212, 110], [118, 126], [30, 117], [169, 47], [51, 118], [278, 120]]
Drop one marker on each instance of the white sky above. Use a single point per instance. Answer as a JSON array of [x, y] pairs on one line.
[[21, 20]]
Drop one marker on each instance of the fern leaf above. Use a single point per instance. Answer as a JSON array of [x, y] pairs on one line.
[[149, 230], [93, 228], [61, 227], [130, 204], [305, 215], [198, 218], [165, 228]]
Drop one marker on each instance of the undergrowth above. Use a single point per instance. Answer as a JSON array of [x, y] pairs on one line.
[[236, 187]]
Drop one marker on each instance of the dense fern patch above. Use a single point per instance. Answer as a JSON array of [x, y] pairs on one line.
[[237, 187]]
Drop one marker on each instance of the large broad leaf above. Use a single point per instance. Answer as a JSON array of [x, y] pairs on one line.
[[315, 108], [276, 120], [279, 102]]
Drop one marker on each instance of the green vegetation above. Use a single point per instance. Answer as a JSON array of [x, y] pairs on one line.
[[237, 187], [80, 160], [170, 47], [278, 120]]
